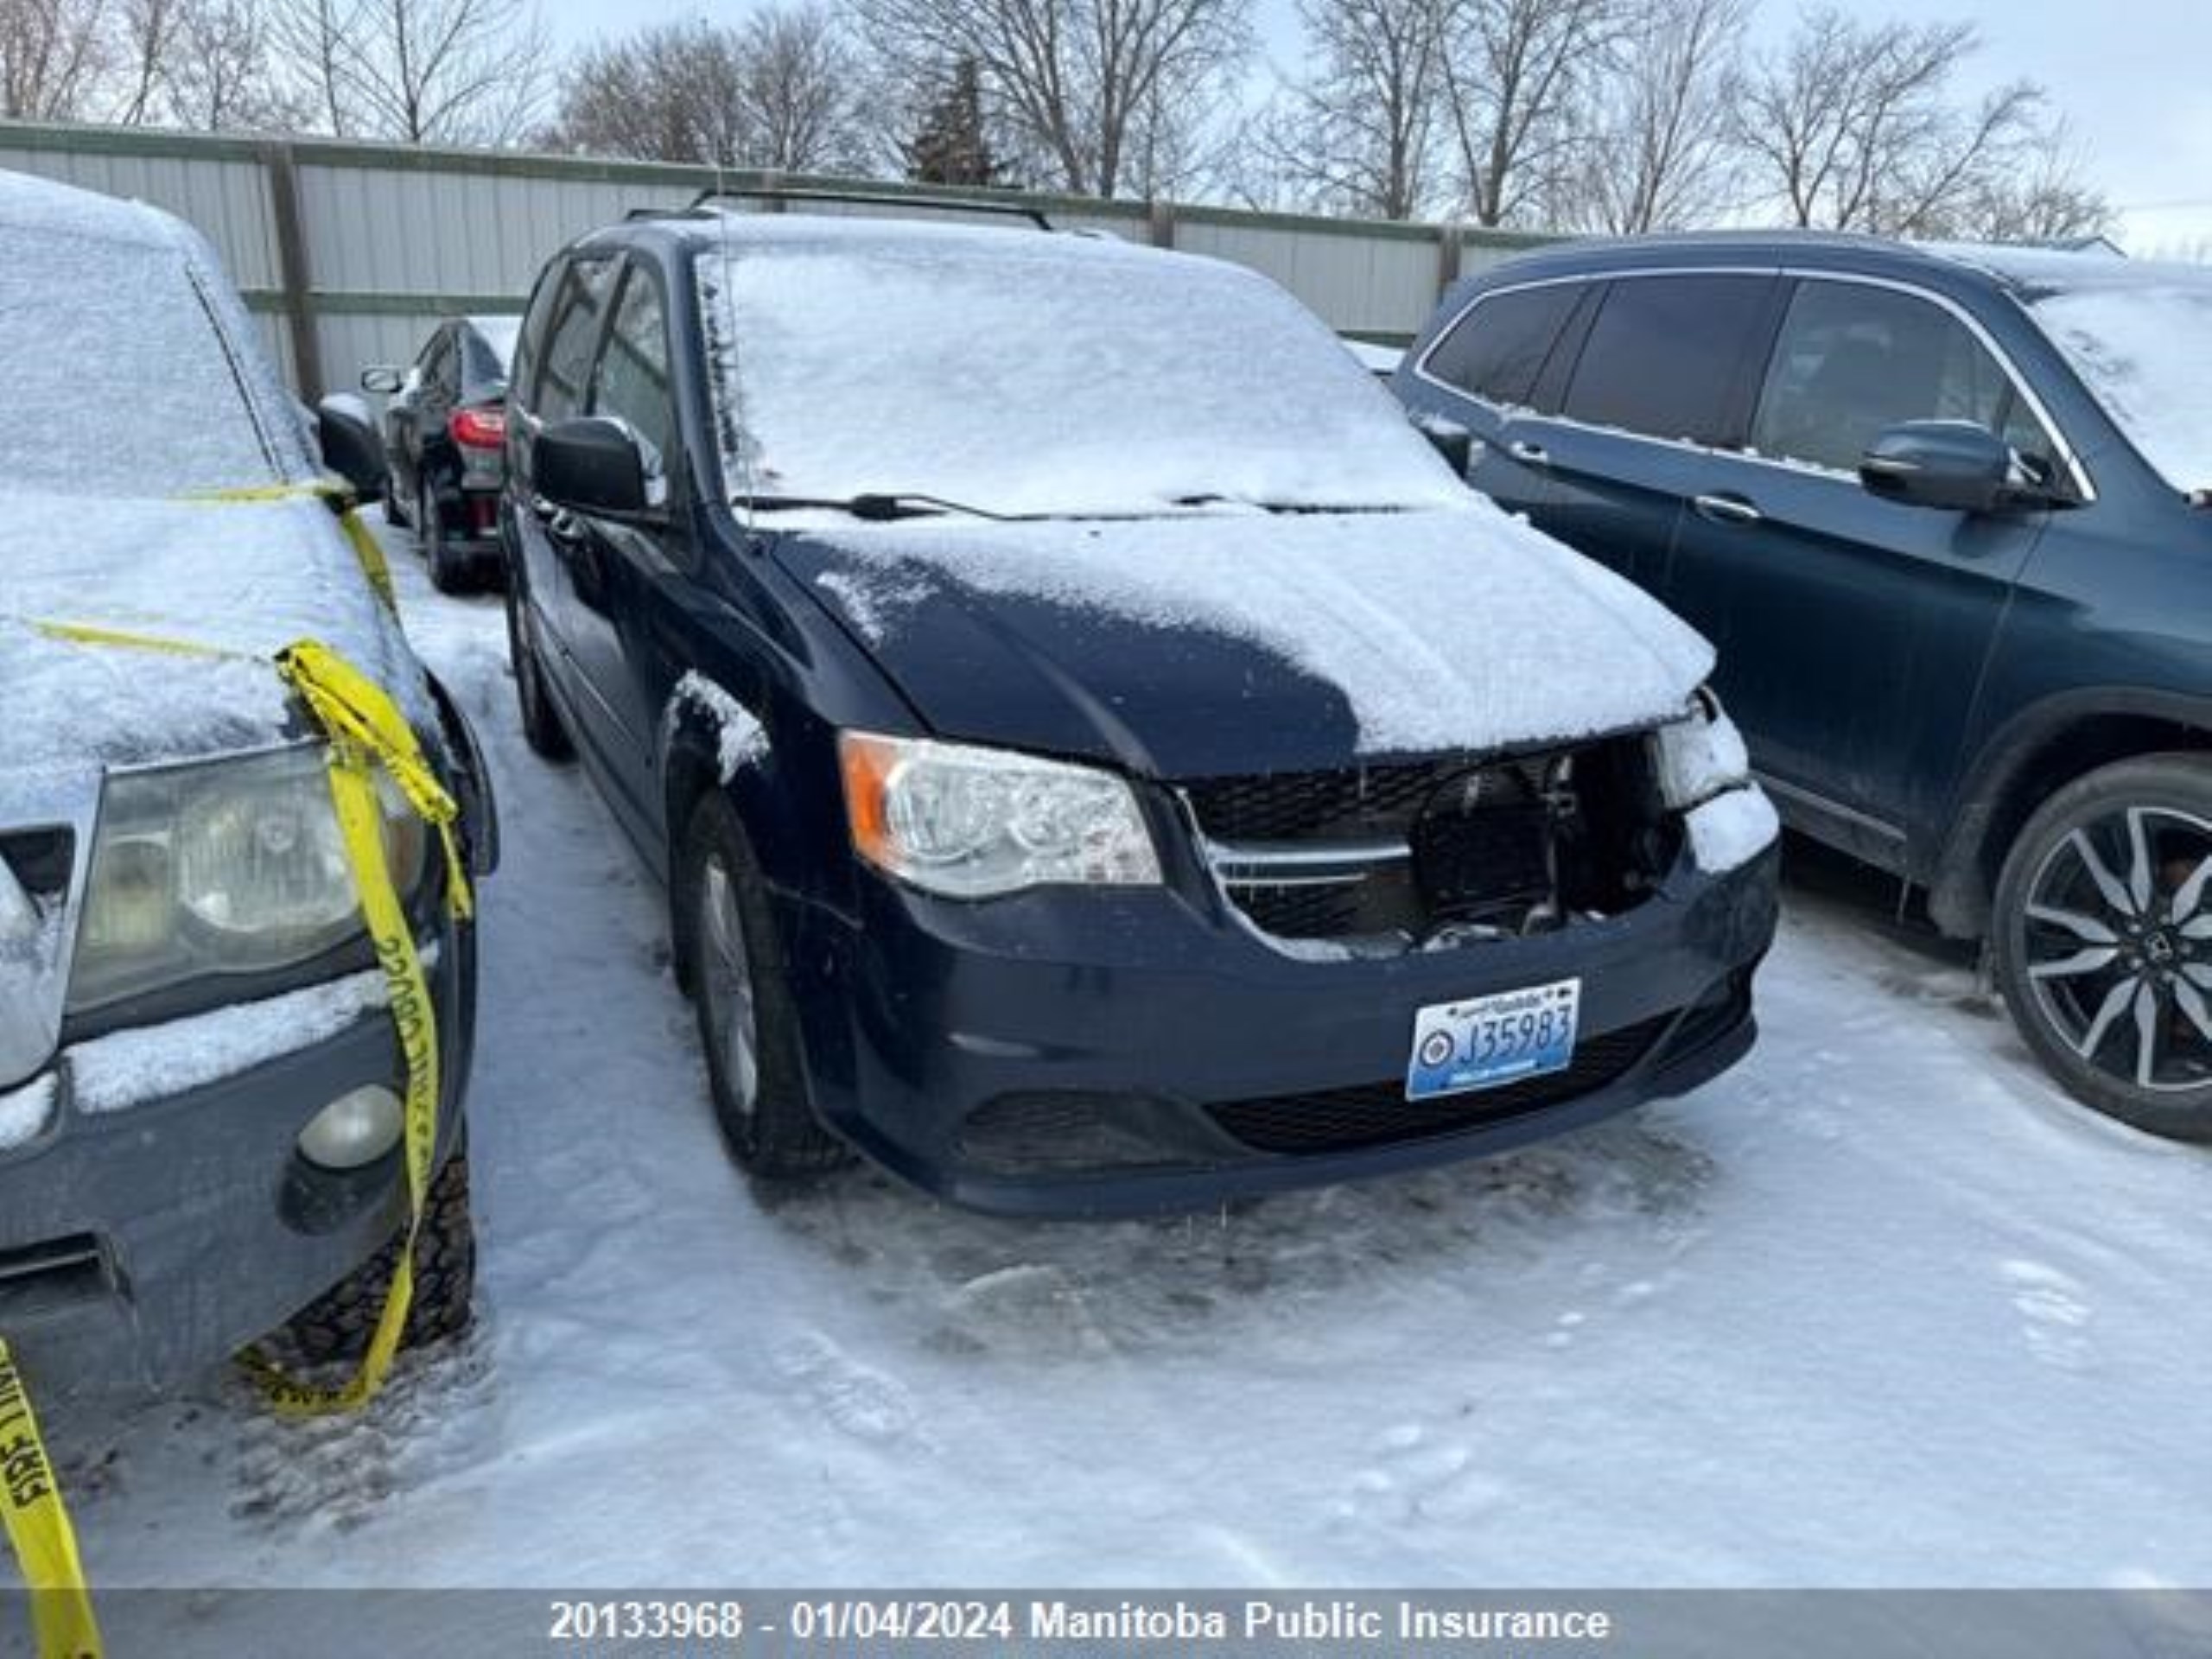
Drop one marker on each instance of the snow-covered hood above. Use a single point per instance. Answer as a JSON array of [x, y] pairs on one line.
[[241, 577], [1211, 645]]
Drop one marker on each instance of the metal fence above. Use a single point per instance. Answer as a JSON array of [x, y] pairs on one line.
[[349, 251]]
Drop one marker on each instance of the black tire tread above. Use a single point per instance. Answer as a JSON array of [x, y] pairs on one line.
[[782, 1139], [338, 1325]]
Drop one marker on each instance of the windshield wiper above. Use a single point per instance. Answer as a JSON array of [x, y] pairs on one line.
[[871, 507]]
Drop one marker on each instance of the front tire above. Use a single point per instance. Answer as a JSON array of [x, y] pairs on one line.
[[748, 1024], [541, 721], [338, 1325], [2102, 939]]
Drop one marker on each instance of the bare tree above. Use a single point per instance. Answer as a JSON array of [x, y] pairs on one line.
[[204, 65], [674, 93], [803, 92], [1359, 131], [1655, 150], [422, 71], [1104, 95], [1512, 71], [786, 90], [1854, 129], [53, 55]]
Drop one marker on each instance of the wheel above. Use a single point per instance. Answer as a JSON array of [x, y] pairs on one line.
[[449, 570], [541, 721], [748, 1023], [339, 1324], [2102, 941]]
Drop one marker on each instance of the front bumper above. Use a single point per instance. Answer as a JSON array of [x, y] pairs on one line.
[[140, 1246], [1099, 1053]]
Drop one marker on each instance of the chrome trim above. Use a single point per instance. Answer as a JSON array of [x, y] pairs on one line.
[[2084, 485], [1300, 864]]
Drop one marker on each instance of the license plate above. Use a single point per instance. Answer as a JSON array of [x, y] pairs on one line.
[[1486, 1041]]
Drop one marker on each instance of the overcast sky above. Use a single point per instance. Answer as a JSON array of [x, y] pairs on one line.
[[2133, 75]]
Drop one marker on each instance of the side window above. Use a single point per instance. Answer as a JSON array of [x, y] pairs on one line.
[[1853, 358], [1498, 349], [1663, 355], [531, 339], [630, 381], [577, 311]]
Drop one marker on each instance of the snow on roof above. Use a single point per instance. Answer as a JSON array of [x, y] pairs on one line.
[[28, 203], [1027, 373], [136, 381], [132, 369], [2138, 332]]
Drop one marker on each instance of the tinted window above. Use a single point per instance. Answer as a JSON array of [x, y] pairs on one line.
[[1497, 350], [1662, 354], [484, 360], [1853, 359], [632, 381], [532, 340], [577, 311]]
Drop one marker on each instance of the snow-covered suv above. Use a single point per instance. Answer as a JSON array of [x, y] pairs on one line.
[[1102, 758], [199, 1082]]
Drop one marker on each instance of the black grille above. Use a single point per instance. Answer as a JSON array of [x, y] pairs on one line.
[[1308, 913], [1375, 1114], [1317, 805]]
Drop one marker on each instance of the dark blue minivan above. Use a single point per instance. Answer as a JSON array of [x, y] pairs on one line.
[[1943, 514], [1100, 758]]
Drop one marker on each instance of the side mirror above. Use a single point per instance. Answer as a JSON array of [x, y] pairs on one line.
[[593, 465], [384, 382], [1450, 440], [350, 445], [1952, 466]]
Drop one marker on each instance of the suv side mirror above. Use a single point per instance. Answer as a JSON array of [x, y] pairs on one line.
[[384, 382], [351, 447], [1952, 466], [593, 465]]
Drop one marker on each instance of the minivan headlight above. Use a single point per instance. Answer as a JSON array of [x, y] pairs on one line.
[[233, 866], [1700, 757], [975, 822]]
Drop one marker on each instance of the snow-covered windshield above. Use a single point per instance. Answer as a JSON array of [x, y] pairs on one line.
[[116, 381], [1027, 373], [2140, 337]]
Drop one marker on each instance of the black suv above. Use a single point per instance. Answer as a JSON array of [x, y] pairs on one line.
[[1942, 511], [1101, 759], [445, 433]]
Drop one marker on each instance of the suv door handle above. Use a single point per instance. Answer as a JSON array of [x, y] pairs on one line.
[[1527, 453], [1727, 510]]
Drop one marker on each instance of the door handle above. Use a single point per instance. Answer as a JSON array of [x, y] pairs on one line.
[[1727, 510], [1527, 453], [559, 523]]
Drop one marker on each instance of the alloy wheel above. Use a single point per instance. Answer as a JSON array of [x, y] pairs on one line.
[[725, 986], [2119, 946]]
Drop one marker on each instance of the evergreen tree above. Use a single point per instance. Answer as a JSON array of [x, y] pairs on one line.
[[951, 146]]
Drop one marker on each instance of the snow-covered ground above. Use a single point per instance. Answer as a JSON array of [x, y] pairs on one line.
[[1878, 1308]]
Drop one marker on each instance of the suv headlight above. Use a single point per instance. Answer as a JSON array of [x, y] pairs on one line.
[[224, 866], [975, 823], [1700, 757]]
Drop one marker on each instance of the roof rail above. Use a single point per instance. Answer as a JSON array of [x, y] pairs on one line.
[[709, 200]]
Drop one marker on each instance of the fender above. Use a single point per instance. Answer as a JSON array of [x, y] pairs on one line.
[[1987, 805]]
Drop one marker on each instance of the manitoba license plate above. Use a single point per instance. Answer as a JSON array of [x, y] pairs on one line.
[[1489, 1040]]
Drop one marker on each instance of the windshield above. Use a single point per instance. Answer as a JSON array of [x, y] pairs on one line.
[[118, 381], [492, 347], [1026, 374], [2140, 337]]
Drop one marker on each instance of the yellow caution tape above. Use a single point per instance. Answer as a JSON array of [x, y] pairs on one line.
[[38, 1528], [367, 731]]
